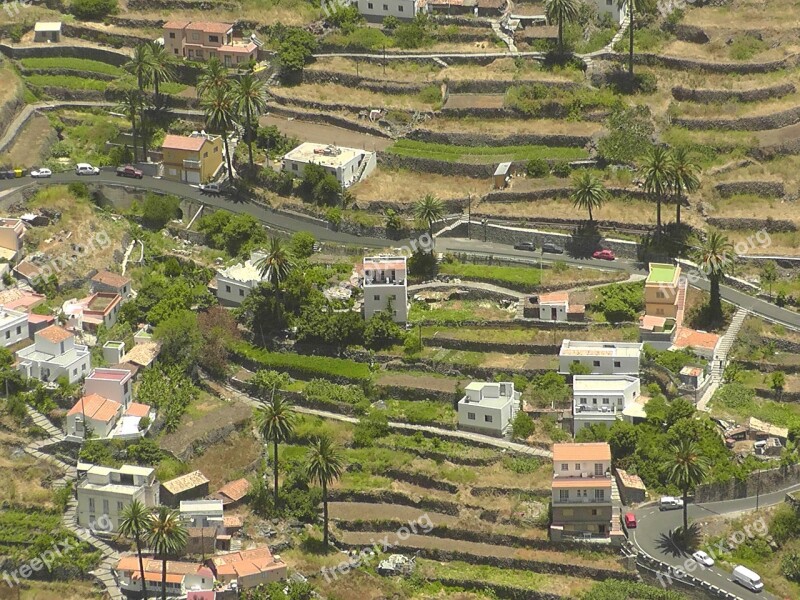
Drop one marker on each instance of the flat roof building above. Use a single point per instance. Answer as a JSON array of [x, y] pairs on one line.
[[348, 165], [601, 358], [386, 286], [601, 399], [235, 283], [191, 486], [488, 407]]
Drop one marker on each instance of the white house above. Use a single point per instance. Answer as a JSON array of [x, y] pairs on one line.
[[601, 398], [554, 306], [234, 283], [54, 353], [104, 491], [114, 384], [105, 418], [602, 358], [378, 10], [202, 513], [13, 326], [182, 577], [613, 8], [488, 407], [386, 286], [348, 165]]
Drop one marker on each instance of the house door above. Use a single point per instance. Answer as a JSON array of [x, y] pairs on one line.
[[553, 313], [601, 528]]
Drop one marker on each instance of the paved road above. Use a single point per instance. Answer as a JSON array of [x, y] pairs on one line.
[[653, 528], [287, 223]]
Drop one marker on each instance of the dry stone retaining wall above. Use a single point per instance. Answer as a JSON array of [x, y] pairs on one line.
[[762, 482], [105, 55], [353, 80], [766, 189], [494, 86], [774, 121], [501, 197], [687, 64], [205, 5], [706, 96], [483, 139], [328, 119], [771, 225]]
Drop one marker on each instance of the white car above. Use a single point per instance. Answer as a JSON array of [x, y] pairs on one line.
[[86, 169], [670, 503], [703, 558], [39, 173]]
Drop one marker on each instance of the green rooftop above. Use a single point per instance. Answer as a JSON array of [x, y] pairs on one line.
[[660, 273]]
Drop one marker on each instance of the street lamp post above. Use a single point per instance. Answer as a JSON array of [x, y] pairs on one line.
[[484, 222], [469, 216], [758, 488]]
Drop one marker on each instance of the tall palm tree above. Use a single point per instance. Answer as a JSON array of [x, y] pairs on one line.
[[634, 6], [214, 75], [686, 469], [277, 263], [683, 177], [324, 465], [133, 523], [655, 171], [274, 422], [248, 91], [161, 68], [588, 192], [131, 105], [140, 66], [429, 209], [166, 535], [714, 256], [218, 104], [561, 11]]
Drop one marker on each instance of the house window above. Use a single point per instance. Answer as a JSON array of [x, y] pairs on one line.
[[609, 2], [205, 154], [228, 289], [598, 469], [487, 418], [8, 335], [564, 467], [471, 416], [19, 330], [214, 39], [605, 400], [91, 505], [583, 400], [594, 401], [596, 363], [600, 495], [594, 512], [75, 371], [125, 388], [577, 466], [563, 495], [105, 506], [120, 506], [241, 293], [175, 50], [376, 297], [385, 7], [400, 9], [83, 367], [172, 35], [617, 364], [369, 5], [294, 167], [195, 37]]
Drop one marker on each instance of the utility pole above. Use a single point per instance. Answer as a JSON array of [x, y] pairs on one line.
[[484, 223], [758, 488], [469, 218], [384, 59]]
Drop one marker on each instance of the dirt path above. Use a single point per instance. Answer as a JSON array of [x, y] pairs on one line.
[[27, 150], [326, 134], [352, 511], [773, 137]]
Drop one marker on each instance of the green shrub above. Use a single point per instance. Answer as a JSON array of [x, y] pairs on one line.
[[630, 132], [431, 95], [561, 168], [302, 366], [619, 303], [522, 427], [745, 47], [93, 10], [537, 167]]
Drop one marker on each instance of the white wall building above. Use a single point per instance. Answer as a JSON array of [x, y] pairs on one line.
[[107, 491], [202, 513], [182, 577], [54, 353], [488, 407], [613, 8], [114, 384], [601, 398], [386, 286], [13, 326], [602, 358], [348, 165], [378, 10], [234, 283]]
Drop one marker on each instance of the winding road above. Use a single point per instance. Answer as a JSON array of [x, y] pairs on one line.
[[284, 222]]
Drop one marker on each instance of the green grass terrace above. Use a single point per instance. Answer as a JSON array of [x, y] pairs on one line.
[[483, 154]]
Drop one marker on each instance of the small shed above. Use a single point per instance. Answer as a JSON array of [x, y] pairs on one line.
[[47, 32], [501, 175], [191, 486]]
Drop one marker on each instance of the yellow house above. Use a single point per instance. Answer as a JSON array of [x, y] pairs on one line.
[[661, 290], [192, 158]]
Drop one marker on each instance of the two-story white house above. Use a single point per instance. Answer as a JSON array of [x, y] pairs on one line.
[[581, 490], [104, 491], [114, 384], [386, 286], [235, 282], [378, 10], [601, 398], [182, 577], [54, 353], [488, 407], [202, 513], [601, 358], [13, 326]]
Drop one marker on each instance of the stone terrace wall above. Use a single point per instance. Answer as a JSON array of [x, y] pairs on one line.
[[774, 121], [490, 86], [688, 64], [328, 119], [764, 482], [105, 55], [206, 5], [102, 37], [705, 96], [499, 197], [690, 33], [771, 225], [69, 72], [484, 139], [766, 189], [352, 80]]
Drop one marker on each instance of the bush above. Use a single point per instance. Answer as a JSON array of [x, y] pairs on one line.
[[374, 426], [619, 303], [159, 210], [422, 264], [522, 427], [411, 35], [562, 169], [93, 10], [382, 332], [78, 189], [630, 132], [745, 47], [412, 345], [302, 244], [790, 566], [537, 167], [391, 22]]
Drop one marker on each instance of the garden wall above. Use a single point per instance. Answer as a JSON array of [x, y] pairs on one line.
[[102, 37], [771, 225], [494, 86], [506, 592], [502, 196], [111, 57], [755, 95], [204, 5], [328, 119], [688, 64], [356, 81], [388, 497], [772, 121], [483, 139], [763, 482], [478, 346], [765, 189]]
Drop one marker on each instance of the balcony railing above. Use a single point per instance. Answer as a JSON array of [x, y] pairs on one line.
[[582, 500], [191, 164]]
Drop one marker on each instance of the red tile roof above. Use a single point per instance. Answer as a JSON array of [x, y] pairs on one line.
[[137, 410], [581, 452], [554, 298], [235, 490], [183, 142], [96, 407], [176, 24], [54, 334], [210, 26], [690, 338], [112, 279]]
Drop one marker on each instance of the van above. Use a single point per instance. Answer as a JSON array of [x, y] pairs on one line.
[[86, 169], [670, 503], [747, 578]]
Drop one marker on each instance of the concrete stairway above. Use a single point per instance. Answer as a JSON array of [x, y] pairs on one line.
[[721, 356]]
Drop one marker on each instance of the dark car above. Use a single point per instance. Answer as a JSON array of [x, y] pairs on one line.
[[129, 171], [525, 246], [552, 249], [6, 174]]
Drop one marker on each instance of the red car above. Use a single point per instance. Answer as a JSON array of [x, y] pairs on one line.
[[129, 171], [630, 520], [604, 254]]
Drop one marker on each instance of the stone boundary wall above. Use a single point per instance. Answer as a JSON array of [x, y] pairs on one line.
[[421, 480], [102, 37], [494, 86], [755, 95], [776, 120], [762, 482], [771, 225], [442, 167], [502, 196], [765, 367], [484, 139], [132, 23], [204, 5], [766, 189], [690, 33], [504, 592], [374, 85], [687, 64], [543, 494], [71, 73], [389, 497], [441, 456], [414, 394], [105, 55], [478, 346], [783, 397], [328, 119], [781, 344], [316, 105]]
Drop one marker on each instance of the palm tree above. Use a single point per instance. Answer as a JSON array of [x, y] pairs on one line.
[[561, 11], [686, 469], [714, 256], [218, 105], [588, 192], [131, 105], [274, 422], [429, 209], [140, 66], [683, 177], [133, 523], [769, 275], [655, 171], [251, 102], [161, 68], [324, 465], [166, 535], [633, 6], [278, 262], [214, 75]]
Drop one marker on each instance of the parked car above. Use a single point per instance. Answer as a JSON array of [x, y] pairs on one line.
[[552, 249], [86, 169], [670, 503], [525, 246], [129, 171], [747, 578], [703, 558], [215, 187], [630, 520], [604, 254], [41, 173], [6, 174]]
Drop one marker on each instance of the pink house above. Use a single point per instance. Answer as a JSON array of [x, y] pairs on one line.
[[202, 40]]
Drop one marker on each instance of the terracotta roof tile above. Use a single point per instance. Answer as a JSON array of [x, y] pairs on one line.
[[94, 406], [581, 452], [112, 279], [185, 482], [210, 26], [235, 490], [55, 334], [137, 410], [183, 142]]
